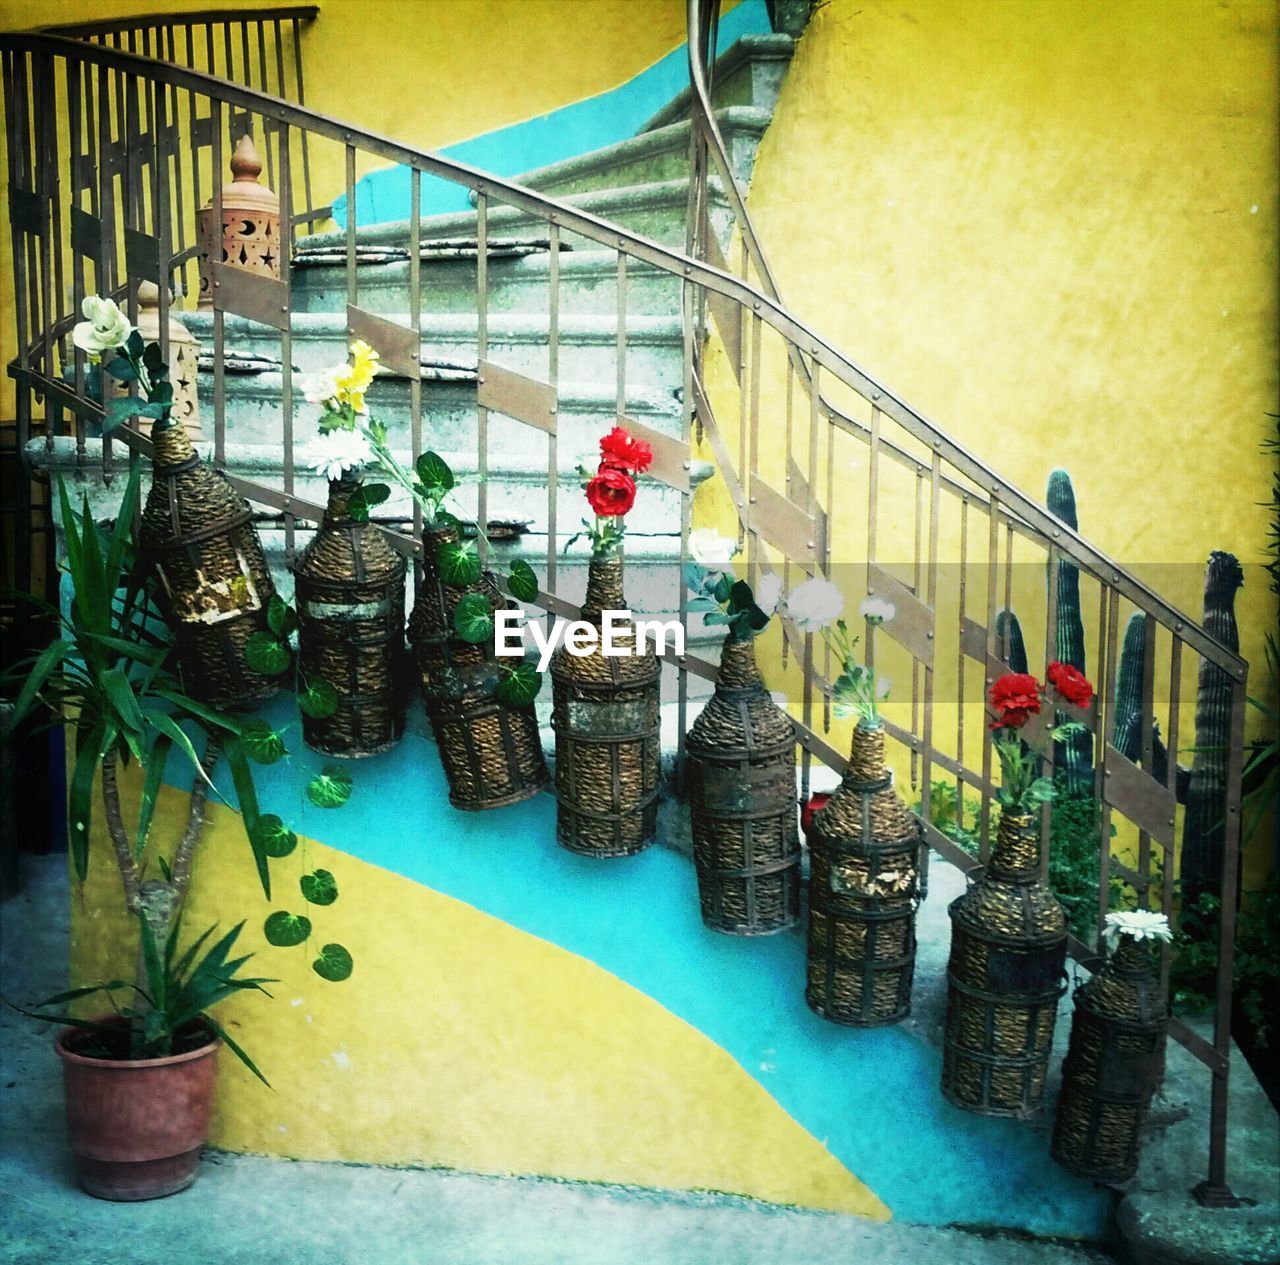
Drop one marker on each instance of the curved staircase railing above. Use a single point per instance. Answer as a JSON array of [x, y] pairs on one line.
[[110, 151]]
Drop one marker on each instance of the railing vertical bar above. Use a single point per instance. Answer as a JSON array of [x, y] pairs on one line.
[[688, 323], [620, 334], [553, 378], [245, 59], [788, 442], [196, 202], [77, 130], [266, 127], [917, 576], [1050, 653], [215, 252], [753, 543], [822, 551], [1109, 729], [993, 571], [280, 88], [811, 504], [160, 209], [105, 264], [178, 208], [931, 597], [297, 78], [228, 69], [53, 209], [46, 186], [415, 320], [285, 248], [1168, 861], [961, 664], [482, 352], [740, 370], [350, 169], [1147, 730], [1106, 705]]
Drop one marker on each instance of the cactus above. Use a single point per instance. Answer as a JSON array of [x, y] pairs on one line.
[[1009, 638], [1203, 827], [1128, 734], [1074, 756]]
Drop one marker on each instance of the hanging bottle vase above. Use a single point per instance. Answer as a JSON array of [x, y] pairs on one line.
[[1004, 979], [213, 582], [605, 716], [864, 848], [491, 751], [1112, 1068], [742, 801], [350, 601]]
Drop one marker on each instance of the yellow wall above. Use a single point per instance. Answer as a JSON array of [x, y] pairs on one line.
[[1051, 227]]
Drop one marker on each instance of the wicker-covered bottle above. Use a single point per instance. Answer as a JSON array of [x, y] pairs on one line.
[[213, 582], [605, 715], [350, 600], [864, 847], [491, 751], [1004, 979], [742, 801], [1112, 1067]]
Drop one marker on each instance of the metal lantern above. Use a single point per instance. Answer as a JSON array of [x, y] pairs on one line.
[[184, 354], [491, 751], [213, 582], [863, 892], [742, 800], [1112, 1068], [605, 716], [1004, 979], [249, 237], [350, 600]]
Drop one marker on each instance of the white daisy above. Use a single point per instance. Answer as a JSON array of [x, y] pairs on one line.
[[1141, 924], [337, 451]]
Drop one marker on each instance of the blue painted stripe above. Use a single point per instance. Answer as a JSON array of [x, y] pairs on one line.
[[872, 1097], [613, 116]]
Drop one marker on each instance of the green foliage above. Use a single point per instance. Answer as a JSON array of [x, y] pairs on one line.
[[273, 836], [472, 620], [728, 601], [262, 744], [319, 888], [267, 654], [330, 788], [1009, 639], [181, 989], [334, 963], [364, 498], [1074, 855], [523, 583], [285, 930], [317, 699], [458, 564], [519, 686], [952, 816]]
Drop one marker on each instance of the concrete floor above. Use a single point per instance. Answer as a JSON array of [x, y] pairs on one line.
[[255, 1209]]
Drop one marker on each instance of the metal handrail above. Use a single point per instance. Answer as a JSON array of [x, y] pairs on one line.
[[196, 17], [704, 275]]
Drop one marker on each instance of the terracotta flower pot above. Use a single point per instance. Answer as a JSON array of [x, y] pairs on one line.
[[137, 1125]]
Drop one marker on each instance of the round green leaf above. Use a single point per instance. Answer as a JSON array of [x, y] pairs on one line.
[[435, 474], [266, 654], [320, 888], [273, 837], [334, 963], [262, 744], [523, 584], [364, 498], [284, 930], [520, 686], [318, 699], [330, 788], [458, 564], [281, 618], [472, 621]]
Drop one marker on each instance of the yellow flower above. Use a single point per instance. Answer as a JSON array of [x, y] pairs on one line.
[[353, 381]]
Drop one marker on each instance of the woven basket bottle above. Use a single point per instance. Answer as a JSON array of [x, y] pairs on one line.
[[1004, 979], [605, 716], [1112, 1067], [214, 586], [742, 800], [491, 752], [350, 599], [864, 848]]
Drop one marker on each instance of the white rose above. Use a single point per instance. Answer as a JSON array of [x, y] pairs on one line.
[[767, 592], [105, 327], [814, 604], [710, 549], [877, 610], [323, 386], [883, 685], [338, 450]]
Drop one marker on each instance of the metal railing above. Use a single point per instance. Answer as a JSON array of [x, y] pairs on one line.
[[109, 152]]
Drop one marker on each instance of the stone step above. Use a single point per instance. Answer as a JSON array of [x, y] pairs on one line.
[[449, 416], [656, 154], [588, 286], [516, 340], [749, 73], [657, 211]]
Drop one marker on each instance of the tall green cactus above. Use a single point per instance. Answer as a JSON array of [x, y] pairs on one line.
[[1203, 827], [1074, 756], [1128, 704], [1009, 637]]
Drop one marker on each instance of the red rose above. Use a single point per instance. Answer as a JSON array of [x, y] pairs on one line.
[[812, 806], [1070, 683], [623, 451], [1016, 698], [612, 492]]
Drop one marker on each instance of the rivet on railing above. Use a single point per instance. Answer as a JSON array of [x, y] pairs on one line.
[[808, 544], [688, 465], [479, 379], [875, 395], [751, 500], [553, 410]]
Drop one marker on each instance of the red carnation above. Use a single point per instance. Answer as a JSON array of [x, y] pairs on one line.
[[623, 451], [1070, 683], [612, 492], [812, 806], [1016, 698]]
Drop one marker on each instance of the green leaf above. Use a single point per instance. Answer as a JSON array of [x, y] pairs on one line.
[[152, 357], [119, 411], [80, 800], [334, 963], [161, 393], [320, 888], [246, 792], [523, 584], [364, 498], [262, 744], [318, 699], [273, 836], [330, 788], [472, 620], [155, 762], [220, 1031], [120, 369], [156, 981], [740, 596], [167, 725], [50, 657], [281, 618], [284, 930], [519, 686], [120, 692], [458, 564], [265, 654], [435, 474], [133, 345], [724, 585]]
